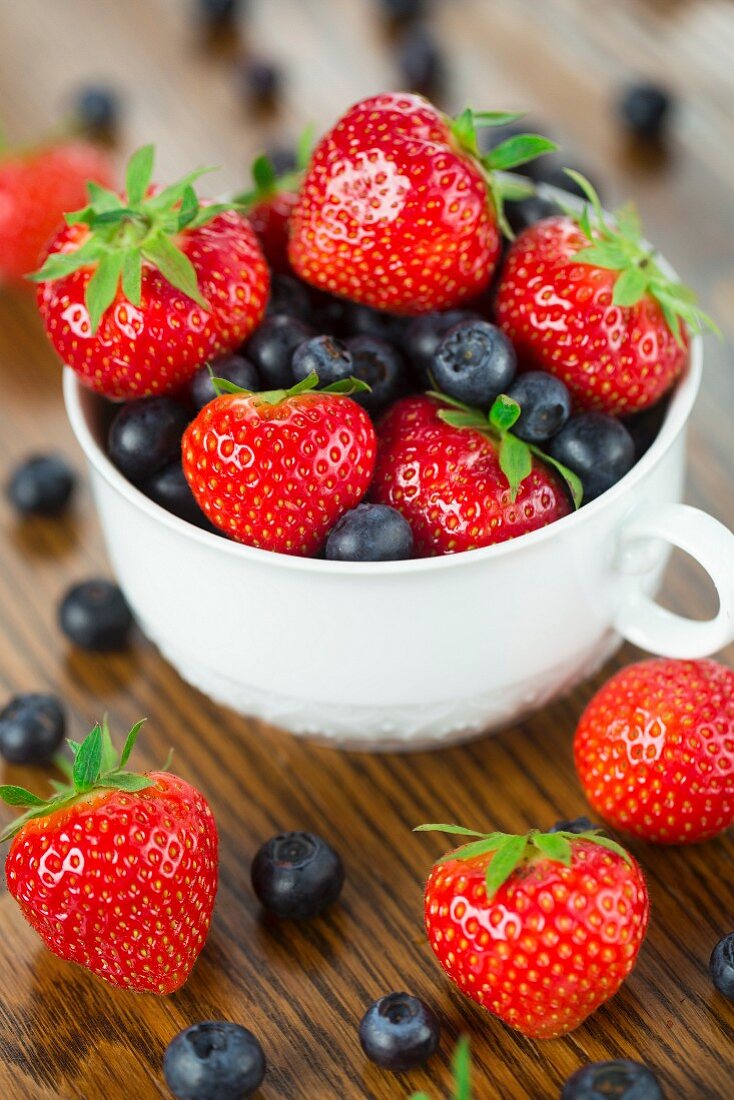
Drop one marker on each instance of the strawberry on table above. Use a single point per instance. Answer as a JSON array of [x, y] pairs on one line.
[[37, 186], [585, 299], [654, 750], [540, 929], [277, 469], [138, 291], [398, 209], [117, 871]]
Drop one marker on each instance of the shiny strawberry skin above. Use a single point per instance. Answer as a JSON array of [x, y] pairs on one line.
[[392, 213], [553, 943], [122, 883], [270, 218], [278, 477], [561, 318], [654, 750], [157, 347], [36, 189], [448, 484]]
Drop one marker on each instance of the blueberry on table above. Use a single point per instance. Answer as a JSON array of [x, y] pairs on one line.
[[597, 448], [32, 728], [382, 367], [296, 876], [425, 333], [721, 966], [271, 349], [475, 362], [214, 1060], [421, 62], [284, 158], [290, 296], [644, 110], [41, 486], [545, 405], [170, 489], [145, 435], [261, 82], [403, 11], [97, 109], [218, 14], [521, 213], [325, 356], [370, 532], [618, 1080], [399, 1032], [233, 368], [95, 615], [576, 825]]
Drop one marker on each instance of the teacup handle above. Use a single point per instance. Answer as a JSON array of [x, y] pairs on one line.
[[642, 621]]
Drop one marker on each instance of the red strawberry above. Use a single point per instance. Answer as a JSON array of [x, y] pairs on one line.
[[654, 750], [540, 929], [138, 292], [277, 470], [398, 210], [587, 301], [37, 187], [116, 872], [271, 202], [460, 479]]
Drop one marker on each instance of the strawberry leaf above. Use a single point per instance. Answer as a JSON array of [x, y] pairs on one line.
[[573, 481], [189, 207], [504, 862], [518, 150], [487, 844], [109, 757], [101, 289], [101, 199], [452, 830], [60, 264], [264, 175], [139, 174], [132, 274], [304, 147], [130, 742], [608, 843], [458, 419], [347, 386], [515, 461], [174, 266], [126, 781], [496, 118], [504, 413], [630, 286], [603, 254], [555, 846], [19, 796], [461, 1063], [88, 760]]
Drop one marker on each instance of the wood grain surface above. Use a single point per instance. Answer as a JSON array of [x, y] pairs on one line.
[[303, 989]]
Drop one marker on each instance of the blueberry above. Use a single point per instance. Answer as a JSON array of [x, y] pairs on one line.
[[261, 82], [364, 321], [370, 532], [97, 107], [420, 61], [214, 1060], [524, 212], [545, 405], [146, 435], [95, 615], [474, 363], [403, 11], [330, 314], [322, 355], [598, 448], [644, 426], [552, 172], [425, 333], [399, 1032], [289, 295], [41, 486], [283, 159], [271, 349], [644, 110], [721, 966], [382, 367], [218, 14], [297, 876], [170, 489], [619, 1080], [235, 368], [578, 825], [32, 728]]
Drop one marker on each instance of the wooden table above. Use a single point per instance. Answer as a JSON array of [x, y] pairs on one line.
[[303, 989]]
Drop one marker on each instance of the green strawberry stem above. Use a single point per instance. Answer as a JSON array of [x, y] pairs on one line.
[[95, 766], [511, 851], [343, 388], [267, 182], [619, 246], [461, 1065], [515, 455]]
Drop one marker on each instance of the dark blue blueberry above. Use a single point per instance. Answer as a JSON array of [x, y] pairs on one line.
[[41, 486], [95, 615], [619, 1080], [370, 532], [382, 367], [330, 314], [261, 81], [474, 363], [170, 489], [399, 1032], [234, 368], [97, 107], [404, 11], [214, 1060], [271, 349], [32, 728], [425, 333], [290, 296], [524, 212], [598, 448], [283, 159], [545, 403], [218, 14], [645, 110], [721, 966], [322, 355], [364, 321], [645, 425], [420, 61], [297, 876], [145, 435], [578, 825]]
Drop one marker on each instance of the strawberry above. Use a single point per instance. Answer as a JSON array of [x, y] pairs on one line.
[[462, 479], [271, 202], [37, 186], [540, 929], [137, 292], [399, 211], [277, 470], [117, 871], [585, 299], [654, 750]]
